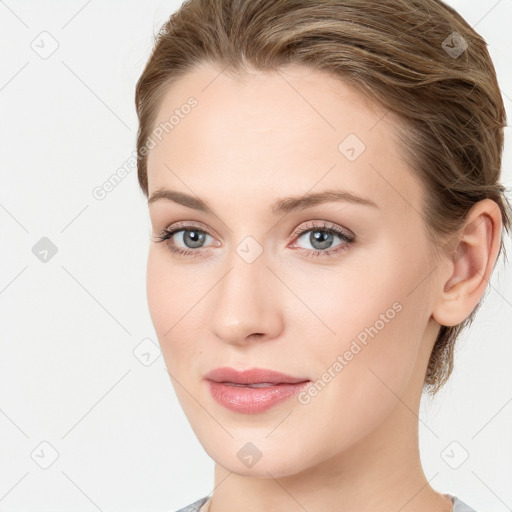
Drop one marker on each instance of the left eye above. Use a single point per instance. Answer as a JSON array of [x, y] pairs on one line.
[[321, 238], [193, 238]]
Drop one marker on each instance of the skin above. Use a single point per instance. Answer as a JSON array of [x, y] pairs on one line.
[[248, 142]]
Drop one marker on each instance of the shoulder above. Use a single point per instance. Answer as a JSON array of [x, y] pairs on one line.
[[194, 507], [460, 506]]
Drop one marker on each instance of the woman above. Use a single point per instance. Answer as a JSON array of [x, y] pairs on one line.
[[323, 188]]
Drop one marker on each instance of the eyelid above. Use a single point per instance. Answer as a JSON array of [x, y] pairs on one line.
[[321, 224], [188, 226]]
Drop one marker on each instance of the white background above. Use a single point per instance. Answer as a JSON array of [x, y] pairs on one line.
[[68, 374]]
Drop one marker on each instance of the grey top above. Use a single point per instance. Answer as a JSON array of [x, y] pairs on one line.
[[194, 507], [458, 506]]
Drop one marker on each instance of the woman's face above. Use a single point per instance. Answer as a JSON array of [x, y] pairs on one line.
[[262, 282]]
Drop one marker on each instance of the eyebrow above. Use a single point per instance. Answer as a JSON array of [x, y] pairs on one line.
[[280, 207]]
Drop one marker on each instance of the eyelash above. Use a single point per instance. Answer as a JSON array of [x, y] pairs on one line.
[[347, 239]]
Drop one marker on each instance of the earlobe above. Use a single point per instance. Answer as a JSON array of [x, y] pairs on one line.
[[470, 264]]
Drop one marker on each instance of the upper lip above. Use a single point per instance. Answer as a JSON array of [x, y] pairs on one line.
[[251, 376]]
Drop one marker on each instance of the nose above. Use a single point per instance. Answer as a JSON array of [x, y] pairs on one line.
[[246, 303]]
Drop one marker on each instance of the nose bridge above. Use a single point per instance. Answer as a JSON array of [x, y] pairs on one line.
[[245, 302]]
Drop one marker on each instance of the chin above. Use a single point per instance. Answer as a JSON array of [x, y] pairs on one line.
[[253, 455], [267, 467]]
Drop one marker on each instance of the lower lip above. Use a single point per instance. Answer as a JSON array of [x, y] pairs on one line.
[[248, 400]]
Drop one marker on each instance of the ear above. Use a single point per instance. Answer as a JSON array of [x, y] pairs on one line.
[[469, 264]]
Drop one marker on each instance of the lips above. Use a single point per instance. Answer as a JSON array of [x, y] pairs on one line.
[[252, 391], [254, 377]]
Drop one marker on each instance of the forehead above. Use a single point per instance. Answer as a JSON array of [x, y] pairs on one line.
[[294, 101], [265, 131]]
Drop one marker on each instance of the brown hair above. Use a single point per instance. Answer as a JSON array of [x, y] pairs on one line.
[[409, 56]]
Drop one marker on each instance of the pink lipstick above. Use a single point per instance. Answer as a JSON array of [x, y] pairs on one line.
[[252, 391]]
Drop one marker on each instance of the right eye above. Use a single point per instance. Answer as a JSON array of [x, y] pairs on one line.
[[191, 237]]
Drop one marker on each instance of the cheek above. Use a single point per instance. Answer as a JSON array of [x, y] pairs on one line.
[[174, 294], [337, 305], [160, 302], [365, 324], [172, 290], [362, 369]]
